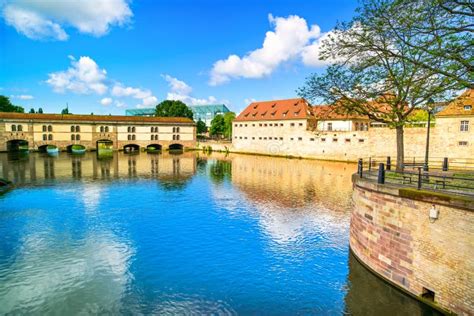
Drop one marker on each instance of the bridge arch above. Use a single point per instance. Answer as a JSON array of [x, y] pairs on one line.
[[131, 148], [175, 146], [154, 147], [17, 145]]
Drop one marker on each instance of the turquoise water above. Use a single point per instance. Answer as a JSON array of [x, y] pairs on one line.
[[183, 234]]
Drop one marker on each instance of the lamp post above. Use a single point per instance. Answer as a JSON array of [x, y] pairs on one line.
[[430, 112]]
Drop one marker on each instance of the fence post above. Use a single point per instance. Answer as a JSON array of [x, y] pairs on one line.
[[389, 163], [359, 167], [445, 164], [419, 178], [381, 175]]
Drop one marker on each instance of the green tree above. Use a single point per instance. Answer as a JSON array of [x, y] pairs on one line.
[[228, 119], [32, 110], [173, 108], [7, 106], [201, 127], [373, 72], [66, 110], [40, 110], [217, 125]]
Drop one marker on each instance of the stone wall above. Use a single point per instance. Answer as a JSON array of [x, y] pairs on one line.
[[392, 234], [298, 141]]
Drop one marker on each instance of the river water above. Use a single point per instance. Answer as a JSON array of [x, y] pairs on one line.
[[183, 234]]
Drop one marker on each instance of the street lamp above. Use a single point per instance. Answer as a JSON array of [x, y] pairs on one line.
[[429, 109]]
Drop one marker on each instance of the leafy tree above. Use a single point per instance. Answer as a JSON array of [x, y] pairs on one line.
[[7, 106], [173, 108], [228, 119], [40, 110], [32, 110], [217, 125], [373, 72], [201, 127]]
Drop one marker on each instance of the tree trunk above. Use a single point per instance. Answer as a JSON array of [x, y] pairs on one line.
[[400, 148]]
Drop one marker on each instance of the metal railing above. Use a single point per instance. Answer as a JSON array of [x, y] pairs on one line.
[[436, 177]]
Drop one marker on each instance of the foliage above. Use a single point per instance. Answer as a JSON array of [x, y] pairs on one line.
[[228, 119], [201, 127], [40, 110], [7, 106], [376, 70], [65, 111], [217, 125], [32, 110], [173, 108]]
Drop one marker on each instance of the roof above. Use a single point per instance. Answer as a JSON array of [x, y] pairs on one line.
[[461, 106], [330, 112], [93, 118], [204, 109], [290, 109]]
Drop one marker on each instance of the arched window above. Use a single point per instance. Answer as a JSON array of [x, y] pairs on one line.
[[50, 137], [177, 129], [73, 137], [45, 128], [20, 128], [177, 137], [174, 136], [129, 137], [101, 129], [133, 136], [72, 128], [174, 129], [152, 130], [106, 129], [129, 129], [45, 137], [78, 128], [152, 137], [13, 128], [78, 137], [50, 128], [133, 129]]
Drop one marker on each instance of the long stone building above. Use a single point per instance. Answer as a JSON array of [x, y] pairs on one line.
[[295, 128], [39, 130]]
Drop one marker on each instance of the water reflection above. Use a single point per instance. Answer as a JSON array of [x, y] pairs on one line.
[[182, 234]]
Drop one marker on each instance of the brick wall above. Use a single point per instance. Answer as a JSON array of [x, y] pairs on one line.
[[394, 237]]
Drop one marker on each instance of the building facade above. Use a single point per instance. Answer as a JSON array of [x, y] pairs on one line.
[[39, 130], [295, 128]]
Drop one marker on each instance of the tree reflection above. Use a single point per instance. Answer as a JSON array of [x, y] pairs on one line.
[[220, 170]]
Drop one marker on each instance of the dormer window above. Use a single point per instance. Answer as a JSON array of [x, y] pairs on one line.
[[297, 112], [255, 114], [246, 114], [273, 114], [255, 106], [467, 107], [273, 105]]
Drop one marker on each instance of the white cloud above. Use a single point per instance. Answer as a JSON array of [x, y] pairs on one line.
[[106, 101], [39, 19], [289, 38], [311, 53], [120, 104], [83, 77], [22, 97], [179, 90], [148, 99]]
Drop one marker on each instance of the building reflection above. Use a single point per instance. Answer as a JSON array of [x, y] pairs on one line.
[[37, 168]]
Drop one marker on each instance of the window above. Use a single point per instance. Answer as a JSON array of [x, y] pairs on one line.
[[356, 126], [177, 130], [281, 124], [253, 125], [301, 124], [73, 137], [260, 138], [50, 137], [45, 128], [260, 124], [45, 137], [177, 136], [361, 140], [334, 139], [468, 107], [101, 129], [50, 128], [300, 138], [133, 136], [270, 138], [78, 137], [329, 126], [291, 138], [129, 129], [265, 124], [13, 128], [72, 128], [311, 139], [348, 140], [129, 137], [152, 130], [78, 128], [253, 137], [133, 129], [323, 139], [19, 128], [281, 138], [106, 129], [292, 124], [462, 143], [270, 124], [464, 126]]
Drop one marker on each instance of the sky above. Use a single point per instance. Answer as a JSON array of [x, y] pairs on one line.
[[106, 56]]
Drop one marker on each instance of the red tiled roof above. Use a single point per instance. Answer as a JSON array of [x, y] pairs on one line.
[[331, 112], [93, 118], [460, 105], [289, 109]]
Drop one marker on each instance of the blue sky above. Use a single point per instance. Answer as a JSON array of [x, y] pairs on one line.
[[104, 56]]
